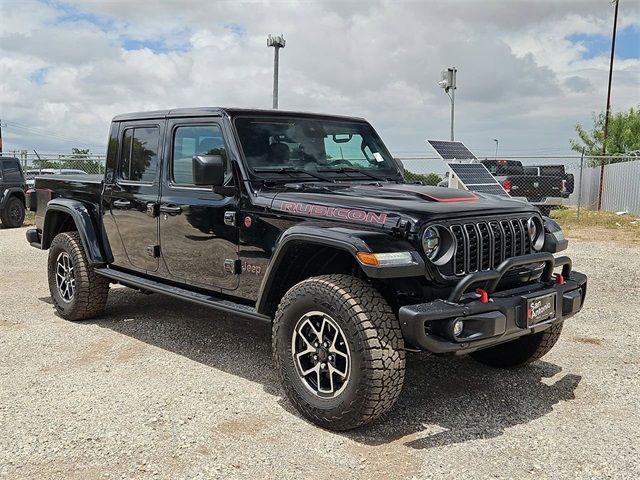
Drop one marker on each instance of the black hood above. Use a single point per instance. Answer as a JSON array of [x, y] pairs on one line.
[[384, 204]]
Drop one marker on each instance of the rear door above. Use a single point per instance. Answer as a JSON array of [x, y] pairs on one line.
[[133, 195], [198, 235]]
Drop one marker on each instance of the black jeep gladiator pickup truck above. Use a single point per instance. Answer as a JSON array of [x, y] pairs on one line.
[[304, 221]]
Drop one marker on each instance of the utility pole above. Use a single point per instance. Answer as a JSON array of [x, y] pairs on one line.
[[608, 110], [497, 141], [0, 136], [448, 82], [277, 42]]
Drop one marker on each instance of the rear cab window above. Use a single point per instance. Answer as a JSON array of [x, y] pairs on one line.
[[502, 168], [139, 155]]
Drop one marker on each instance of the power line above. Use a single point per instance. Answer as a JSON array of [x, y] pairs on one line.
[[35, 131]]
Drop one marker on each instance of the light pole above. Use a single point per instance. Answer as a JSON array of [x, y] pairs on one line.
[[448, 82], [608, 110], [497, 142], [277, 42]]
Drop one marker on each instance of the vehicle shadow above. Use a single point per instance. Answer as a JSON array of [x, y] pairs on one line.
[[445, 400]]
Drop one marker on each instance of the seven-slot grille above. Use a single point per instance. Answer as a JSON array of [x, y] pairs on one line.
[[484, 245]]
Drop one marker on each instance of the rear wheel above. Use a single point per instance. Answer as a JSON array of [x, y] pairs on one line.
[[13, 214], [339, 351], [77, 291], [520, 351]]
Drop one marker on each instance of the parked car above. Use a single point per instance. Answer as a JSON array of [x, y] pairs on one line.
[[303, 221], [33, 173], [543, 191], [12, 192]]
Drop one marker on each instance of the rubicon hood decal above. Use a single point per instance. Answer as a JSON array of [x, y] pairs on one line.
[[353, 214]]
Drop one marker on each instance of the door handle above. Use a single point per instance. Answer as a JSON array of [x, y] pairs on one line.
[[170, 209], [121, 203]]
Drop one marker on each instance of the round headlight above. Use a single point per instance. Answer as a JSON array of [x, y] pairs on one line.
[[535, 230], [431, 242]]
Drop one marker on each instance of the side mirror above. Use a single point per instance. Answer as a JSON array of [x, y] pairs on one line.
[[208, 170]]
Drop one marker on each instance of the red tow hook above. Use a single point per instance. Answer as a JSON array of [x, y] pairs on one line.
[[484, 295], [559, 278]]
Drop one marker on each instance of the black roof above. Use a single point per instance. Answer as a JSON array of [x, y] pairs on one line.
[[216, 111]]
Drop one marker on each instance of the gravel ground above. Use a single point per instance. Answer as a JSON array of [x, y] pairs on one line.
[[158, 388]]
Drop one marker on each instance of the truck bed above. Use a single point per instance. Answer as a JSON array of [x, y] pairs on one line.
[[86, 188]]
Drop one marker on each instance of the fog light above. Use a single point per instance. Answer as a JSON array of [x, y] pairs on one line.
[[458, 327]]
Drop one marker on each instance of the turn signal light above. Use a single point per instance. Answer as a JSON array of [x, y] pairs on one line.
[[368, 259], [389, 259]]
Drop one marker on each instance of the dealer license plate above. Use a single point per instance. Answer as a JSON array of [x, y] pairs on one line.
[[541, 308]]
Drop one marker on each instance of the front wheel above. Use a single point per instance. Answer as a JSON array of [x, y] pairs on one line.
[[77, 291], [339, 351], [520, 351]]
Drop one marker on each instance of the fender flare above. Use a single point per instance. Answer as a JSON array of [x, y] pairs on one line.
[[350, 241], [84, 222], [8, 193]]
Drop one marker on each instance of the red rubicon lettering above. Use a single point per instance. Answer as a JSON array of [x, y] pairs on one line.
[[333, 212], [289, 207]]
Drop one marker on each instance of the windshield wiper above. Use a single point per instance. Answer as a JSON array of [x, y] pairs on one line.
[[291, 170], [353, 170]]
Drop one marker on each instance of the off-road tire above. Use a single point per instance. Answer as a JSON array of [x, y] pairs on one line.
[[91, 289], [375, 344], [520, 351], [12, 215]]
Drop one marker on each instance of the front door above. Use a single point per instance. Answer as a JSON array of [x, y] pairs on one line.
[[198, 237], [133, 195]]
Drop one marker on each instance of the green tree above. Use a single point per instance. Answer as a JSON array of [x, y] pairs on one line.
[[79, 152], [426, 179], [79, 160], [623, 136]]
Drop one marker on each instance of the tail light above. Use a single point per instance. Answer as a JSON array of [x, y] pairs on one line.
[[507, 184], [563, 186]]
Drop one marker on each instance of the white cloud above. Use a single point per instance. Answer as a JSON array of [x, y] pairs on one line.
[[519, 78]]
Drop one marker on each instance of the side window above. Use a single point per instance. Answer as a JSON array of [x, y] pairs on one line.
[[11, 170], [139, 160], [189, 141]]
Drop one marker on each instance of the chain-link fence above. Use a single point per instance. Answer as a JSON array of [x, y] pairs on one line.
[[46, 163], [611, 182], [550, 182]]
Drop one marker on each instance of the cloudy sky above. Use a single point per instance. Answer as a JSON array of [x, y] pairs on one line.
[[527, 70]]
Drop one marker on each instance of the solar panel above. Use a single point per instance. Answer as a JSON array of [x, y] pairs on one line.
[[451, 150], [476, 177], [472, 173], [495, 189]]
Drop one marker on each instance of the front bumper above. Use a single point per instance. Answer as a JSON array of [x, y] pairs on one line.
[[502, 318]]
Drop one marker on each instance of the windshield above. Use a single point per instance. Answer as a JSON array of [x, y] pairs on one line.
[[302, 145]]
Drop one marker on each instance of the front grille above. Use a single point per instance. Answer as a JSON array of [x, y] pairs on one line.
[[484, 245]]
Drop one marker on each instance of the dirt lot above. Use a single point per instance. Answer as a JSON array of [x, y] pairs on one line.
[[157, 388]]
